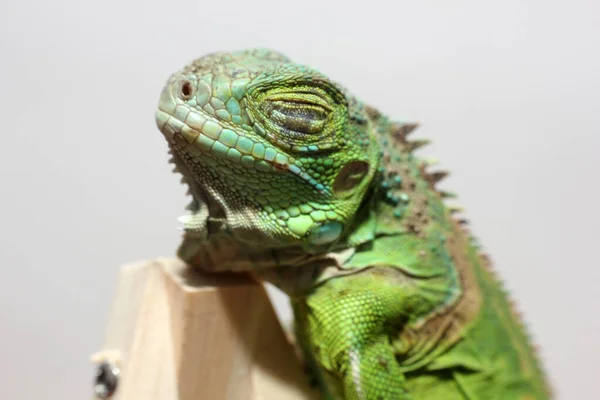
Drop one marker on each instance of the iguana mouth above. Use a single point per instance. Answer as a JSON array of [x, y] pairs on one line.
[[210, 139]]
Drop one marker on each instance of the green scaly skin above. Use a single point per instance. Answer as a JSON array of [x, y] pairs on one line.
[[298, 182]]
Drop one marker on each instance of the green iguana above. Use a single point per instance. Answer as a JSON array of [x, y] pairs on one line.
[[303, 185]]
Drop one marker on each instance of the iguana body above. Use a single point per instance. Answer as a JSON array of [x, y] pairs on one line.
[[297, 181]]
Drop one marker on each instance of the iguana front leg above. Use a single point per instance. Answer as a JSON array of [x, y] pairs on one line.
[[344, 326]]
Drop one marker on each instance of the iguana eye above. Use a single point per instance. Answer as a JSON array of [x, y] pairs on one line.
[[298, 112], [298, 117]]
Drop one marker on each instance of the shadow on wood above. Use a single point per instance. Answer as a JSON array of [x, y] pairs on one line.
[[178, 334]]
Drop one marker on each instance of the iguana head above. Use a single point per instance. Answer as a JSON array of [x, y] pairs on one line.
[[274, 152]]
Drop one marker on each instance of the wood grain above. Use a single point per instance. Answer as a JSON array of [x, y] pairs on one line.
[[177, 334]]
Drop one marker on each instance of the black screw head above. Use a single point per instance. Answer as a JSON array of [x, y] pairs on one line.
[[106, 380]]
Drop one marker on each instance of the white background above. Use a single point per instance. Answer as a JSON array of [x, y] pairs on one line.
[[509, 91]]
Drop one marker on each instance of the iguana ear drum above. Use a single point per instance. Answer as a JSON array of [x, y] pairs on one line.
[[349, 177]]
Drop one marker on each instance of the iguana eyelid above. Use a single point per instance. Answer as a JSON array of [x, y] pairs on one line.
[[302, 123], [306, 98]]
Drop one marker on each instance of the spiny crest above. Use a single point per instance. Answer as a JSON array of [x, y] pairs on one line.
[[455, 209], [429, 162], [448, 195], [183, 180], [400, 131], [416, 144], [517, 315], [392, 180], [435, 177], [486, 262]]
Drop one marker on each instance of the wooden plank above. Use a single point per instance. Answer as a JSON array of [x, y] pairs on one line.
[[177, 334]]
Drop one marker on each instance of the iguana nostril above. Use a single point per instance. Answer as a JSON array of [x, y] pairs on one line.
[[186, 90]]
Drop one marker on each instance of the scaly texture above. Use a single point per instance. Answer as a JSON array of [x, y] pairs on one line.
[[297, 181]]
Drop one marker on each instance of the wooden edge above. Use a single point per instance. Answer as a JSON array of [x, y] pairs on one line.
[[178, 334]]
